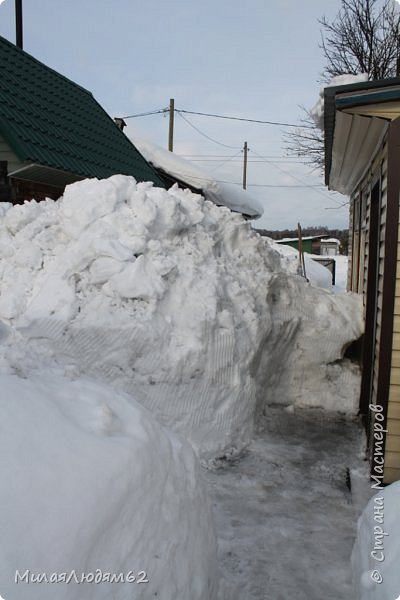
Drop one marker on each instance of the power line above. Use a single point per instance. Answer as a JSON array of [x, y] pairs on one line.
[[207, 136], [324, 194], [217, 157], [182, 175], [263, 158], [254, 161], [229, 159], [231, 118], [281, 124], [145, 114]]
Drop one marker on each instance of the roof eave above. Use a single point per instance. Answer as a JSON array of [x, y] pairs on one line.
[[333, 107], [38, 173]]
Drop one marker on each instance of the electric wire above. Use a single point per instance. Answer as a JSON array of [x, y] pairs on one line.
[[215, 116], [280, 124], [319, 191], [269, 160], [221, 164], [207, 136], [145, 114]]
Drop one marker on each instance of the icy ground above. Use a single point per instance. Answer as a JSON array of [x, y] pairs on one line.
[[285, 518]]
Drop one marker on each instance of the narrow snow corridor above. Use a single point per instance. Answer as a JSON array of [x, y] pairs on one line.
[[284, 513]]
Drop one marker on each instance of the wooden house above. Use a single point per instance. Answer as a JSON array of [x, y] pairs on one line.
[[53, 132], [362, 160]]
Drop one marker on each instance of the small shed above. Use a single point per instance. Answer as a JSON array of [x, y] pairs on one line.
[[362, 161], [53, 132], [330, 247]]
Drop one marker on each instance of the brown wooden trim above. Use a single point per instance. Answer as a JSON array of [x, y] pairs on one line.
[[389, 274], [371, 297], [5, 187], [350, 277], [356, 286], [26, 190]]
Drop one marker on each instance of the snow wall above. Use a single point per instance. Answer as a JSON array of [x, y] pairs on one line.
[[375, 557], [174, 300], [92, 484]]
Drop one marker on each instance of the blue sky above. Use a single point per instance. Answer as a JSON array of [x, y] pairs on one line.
[[256, 59]]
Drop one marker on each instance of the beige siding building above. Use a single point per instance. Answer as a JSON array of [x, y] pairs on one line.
[[362, 158]]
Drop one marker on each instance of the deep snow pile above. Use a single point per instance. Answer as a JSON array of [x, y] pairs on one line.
[[375, 558], [92, 484], [174, 300]]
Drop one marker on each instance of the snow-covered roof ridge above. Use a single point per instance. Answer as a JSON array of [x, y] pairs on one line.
[[219, 192], [305, 237], [332, 240]]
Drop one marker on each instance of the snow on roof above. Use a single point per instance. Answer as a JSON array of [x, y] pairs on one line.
[[296, 239], [222, 194], [331, 241], [317, 111]]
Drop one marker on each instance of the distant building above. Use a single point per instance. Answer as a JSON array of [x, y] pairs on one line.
[[53, 132], [310, 243], [330, 247]]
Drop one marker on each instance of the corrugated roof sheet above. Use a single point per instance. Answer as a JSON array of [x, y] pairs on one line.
[[50, 120]]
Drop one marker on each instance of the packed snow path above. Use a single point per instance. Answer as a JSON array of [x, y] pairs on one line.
[[285, 517]]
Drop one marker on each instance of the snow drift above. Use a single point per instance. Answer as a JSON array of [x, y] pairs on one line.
[[92, 484], [375, 558], [317, 274], [174, 300]]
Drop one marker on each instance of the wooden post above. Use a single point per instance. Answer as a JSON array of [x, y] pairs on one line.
[[300, 248], [245, 149], [302, 263], [18, 23], [171, 125]]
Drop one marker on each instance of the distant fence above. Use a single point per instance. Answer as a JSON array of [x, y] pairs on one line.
[[329, 263]]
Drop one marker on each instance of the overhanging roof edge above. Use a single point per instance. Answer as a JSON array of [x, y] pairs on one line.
[[331, 104]]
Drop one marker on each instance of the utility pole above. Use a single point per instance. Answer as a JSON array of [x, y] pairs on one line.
[[18, 23], [245, 149], [171, 125]]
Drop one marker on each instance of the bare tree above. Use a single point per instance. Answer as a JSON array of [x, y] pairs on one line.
[[363, 38], [306, 142]]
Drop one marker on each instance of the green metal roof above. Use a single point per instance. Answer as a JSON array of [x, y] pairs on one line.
[[49, 120]]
